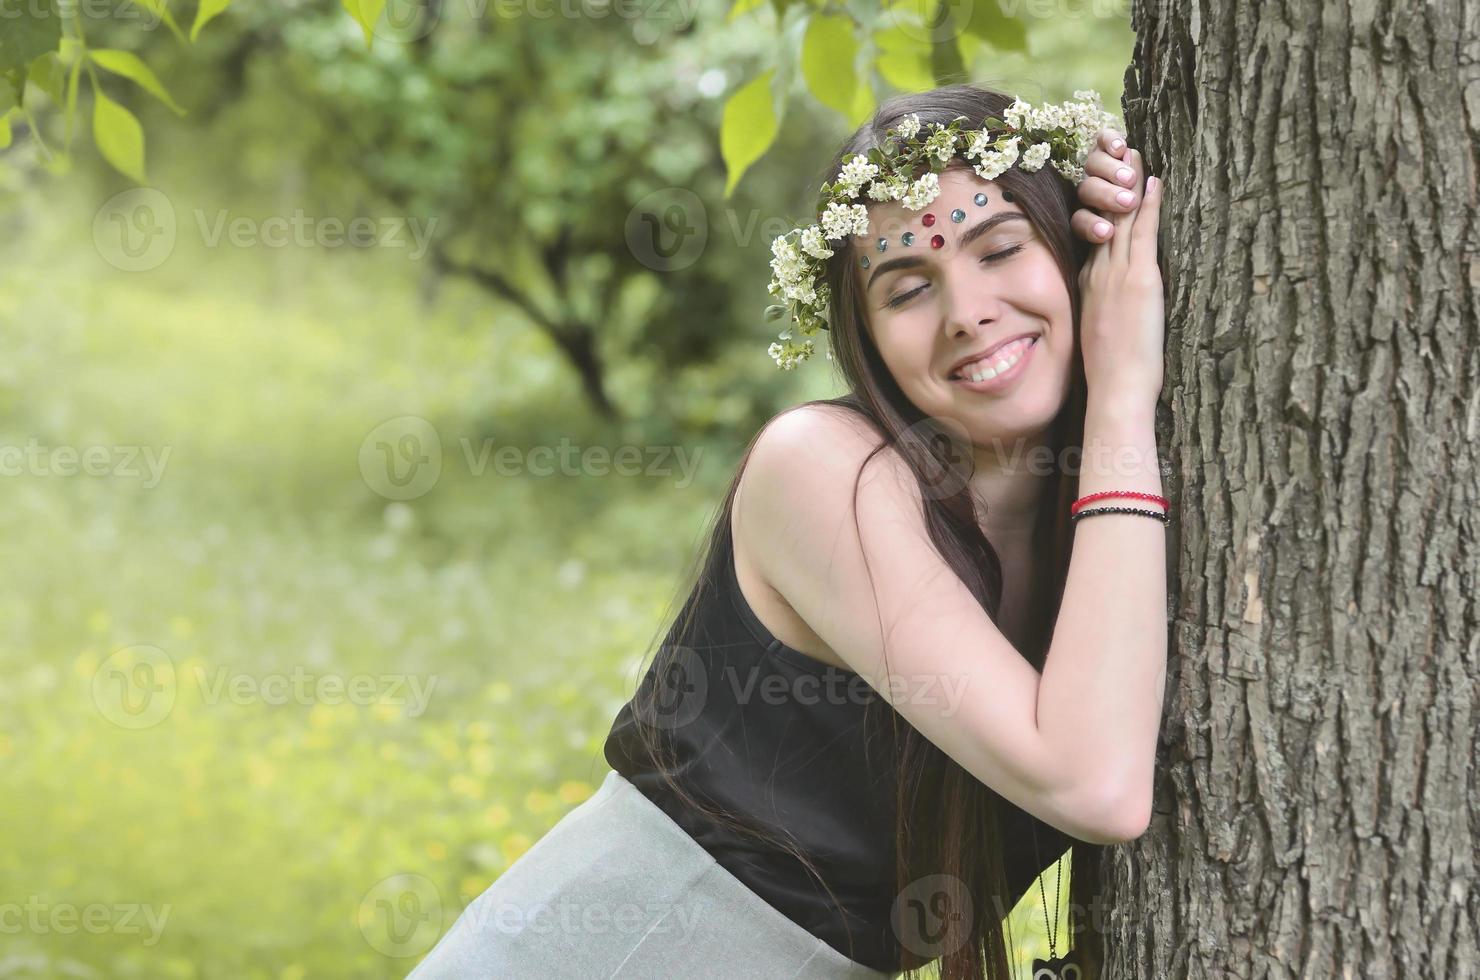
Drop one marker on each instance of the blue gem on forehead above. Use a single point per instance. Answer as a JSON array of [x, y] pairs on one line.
[[908, 238], [980, 199], [958, 215], [864, 262], [883, 244]]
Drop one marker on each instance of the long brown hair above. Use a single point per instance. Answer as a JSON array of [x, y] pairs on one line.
[[947, 821]]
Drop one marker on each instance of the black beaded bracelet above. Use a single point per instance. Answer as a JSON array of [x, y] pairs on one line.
[[1158, 514]]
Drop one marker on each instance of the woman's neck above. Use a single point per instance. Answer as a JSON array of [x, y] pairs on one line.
[[1013, 490]]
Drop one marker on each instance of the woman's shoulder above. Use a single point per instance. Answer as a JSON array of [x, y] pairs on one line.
[[822, 426], [812, 455]]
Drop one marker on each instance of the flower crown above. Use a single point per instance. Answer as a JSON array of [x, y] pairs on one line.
[[1061, 134]]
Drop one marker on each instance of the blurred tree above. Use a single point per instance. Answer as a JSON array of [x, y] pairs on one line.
[[566, 167], [567, 157], [1324, 384]]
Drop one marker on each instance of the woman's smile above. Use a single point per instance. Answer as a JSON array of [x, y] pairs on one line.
[[999, 370]]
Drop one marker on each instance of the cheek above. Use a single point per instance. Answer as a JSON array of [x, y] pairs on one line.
[[1042, 289]]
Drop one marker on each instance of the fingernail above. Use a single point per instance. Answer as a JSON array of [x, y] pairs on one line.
[[1152, 184], [1125, 175], [1102, 228], [1116, 144], [1125, 197]]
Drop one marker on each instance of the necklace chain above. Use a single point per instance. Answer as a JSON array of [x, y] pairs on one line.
[[1053, 930]]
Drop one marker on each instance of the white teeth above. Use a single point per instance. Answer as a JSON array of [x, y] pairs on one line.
[[1018, 348]]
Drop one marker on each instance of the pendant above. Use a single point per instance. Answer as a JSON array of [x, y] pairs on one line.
[[1056, 969]]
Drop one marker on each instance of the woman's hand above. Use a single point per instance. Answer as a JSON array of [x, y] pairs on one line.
[[1110, 170], [1122, 323]]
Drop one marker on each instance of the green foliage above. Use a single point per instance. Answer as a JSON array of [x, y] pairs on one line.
[[43, 44], [32, 28], [208, 10], [747, 127], [910, 45], [130, 66], [119, 136], [827, 64], [365, 13]]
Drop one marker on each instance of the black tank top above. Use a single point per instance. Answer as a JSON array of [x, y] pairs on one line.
[[794, 760]]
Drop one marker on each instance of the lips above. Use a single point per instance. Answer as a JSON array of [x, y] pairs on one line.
[[972, 358], [1000, 384]]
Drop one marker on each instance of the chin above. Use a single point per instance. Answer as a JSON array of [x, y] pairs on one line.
[[1028, 413]]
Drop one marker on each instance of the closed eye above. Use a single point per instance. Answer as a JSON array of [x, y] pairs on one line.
[[990, 257]]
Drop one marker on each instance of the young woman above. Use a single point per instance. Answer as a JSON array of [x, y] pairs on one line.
[[909, 676]]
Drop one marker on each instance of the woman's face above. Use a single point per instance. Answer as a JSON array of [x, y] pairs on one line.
[[992, 281]]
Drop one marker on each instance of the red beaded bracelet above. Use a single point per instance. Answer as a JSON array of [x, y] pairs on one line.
[[1154, 498]]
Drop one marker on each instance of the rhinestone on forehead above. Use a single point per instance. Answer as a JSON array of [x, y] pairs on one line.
[[908, 238], [958, 216], [980, 198], [928, 219]]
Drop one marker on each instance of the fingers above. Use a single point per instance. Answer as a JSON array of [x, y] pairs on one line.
[[1111, 184], [1115, 170], [1125, 223], [1148, 220], [1099, 193], [1090, 226], [1112, 142]]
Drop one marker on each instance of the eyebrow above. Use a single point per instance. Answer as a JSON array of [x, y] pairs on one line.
[[971, 235]]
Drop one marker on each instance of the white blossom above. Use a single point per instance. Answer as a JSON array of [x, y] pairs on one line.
[[888, 189], [842, 220], [789, 355], [855, 172], [1014, 114], [908, 126], [978, 143], [995, 162], [924, 190], [812, 243], [1035, 156], [1070, 171], [941, 144]]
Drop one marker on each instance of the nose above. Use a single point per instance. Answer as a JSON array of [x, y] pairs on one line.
[[972, 305]]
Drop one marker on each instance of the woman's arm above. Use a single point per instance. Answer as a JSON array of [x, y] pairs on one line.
[[1100, 699], [951, 673], [1105, 674]]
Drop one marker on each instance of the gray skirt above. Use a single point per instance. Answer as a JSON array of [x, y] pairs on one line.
[[616, 889]]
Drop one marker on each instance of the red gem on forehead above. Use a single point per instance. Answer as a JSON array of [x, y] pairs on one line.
[[936, 241], [928, 220]]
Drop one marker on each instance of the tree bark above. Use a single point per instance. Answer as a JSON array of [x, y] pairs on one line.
[[1316, 807]]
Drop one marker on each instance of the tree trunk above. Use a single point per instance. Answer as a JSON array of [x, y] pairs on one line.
[[1316, 815]]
